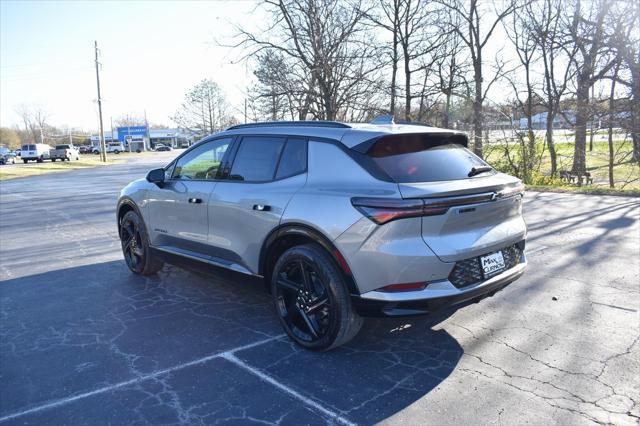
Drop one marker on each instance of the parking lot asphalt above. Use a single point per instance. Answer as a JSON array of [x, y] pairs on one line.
[[83, 341]]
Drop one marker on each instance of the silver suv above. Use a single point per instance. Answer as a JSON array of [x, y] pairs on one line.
[[340, 220]]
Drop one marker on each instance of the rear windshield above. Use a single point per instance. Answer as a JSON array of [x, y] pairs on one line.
[[424, 157], [28, 147], [62, 146]]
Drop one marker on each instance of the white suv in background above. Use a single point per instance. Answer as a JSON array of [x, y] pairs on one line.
[[112, 148]]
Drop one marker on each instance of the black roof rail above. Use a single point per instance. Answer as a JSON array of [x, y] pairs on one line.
[[317, 123]]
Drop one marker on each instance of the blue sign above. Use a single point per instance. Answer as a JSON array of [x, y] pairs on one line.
[[136, 132]]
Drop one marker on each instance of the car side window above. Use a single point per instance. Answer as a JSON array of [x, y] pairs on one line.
[[294, 158], [257, 158], [203, 162]]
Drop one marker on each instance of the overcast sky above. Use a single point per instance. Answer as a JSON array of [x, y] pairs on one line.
[[151, 52]]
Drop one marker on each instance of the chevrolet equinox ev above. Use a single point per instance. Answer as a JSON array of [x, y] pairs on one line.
[[340, 220]]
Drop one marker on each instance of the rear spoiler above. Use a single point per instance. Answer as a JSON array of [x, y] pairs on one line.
[[440, 138]]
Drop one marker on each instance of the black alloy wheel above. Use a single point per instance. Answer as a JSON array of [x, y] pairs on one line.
[[311, 299], [135, 246]]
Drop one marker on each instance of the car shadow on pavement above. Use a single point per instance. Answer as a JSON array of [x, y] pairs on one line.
[[78, 329]]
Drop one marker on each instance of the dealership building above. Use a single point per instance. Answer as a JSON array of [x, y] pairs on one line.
[[142, 138]]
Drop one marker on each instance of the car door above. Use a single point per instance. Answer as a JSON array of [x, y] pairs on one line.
[[266, 172], [179, 210]]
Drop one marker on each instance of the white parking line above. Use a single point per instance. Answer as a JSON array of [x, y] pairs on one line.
[[232, 358], [64, 401]]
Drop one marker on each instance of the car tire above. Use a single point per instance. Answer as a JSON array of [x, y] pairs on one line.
[[53, 160], [135, 246], [311, 299], [25, 161], [40, 160]]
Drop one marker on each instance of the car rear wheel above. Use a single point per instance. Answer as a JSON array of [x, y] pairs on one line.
[[135, 246], [311, 299], [25, 161]]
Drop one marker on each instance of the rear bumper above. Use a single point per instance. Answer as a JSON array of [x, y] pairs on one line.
[[431, 299]]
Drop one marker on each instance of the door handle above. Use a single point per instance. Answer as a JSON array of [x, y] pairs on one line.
[[262, 207], [195, 200]]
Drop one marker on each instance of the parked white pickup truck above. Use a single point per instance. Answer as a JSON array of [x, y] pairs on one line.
[[64, 152]]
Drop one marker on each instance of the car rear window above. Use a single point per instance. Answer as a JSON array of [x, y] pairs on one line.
[[62, 146], [424, 157], [294, 158], [28, 147], [257, 158]]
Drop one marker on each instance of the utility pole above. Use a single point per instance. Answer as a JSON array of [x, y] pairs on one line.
[[103, 148], [148, 132], [41, 135], [70, 137]]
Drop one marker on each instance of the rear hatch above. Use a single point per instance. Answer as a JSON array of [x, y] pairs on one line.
[[469, 208], [28, 151]]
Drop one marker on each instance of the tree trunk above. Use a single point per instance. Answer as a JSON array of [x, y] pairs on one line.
[[447, 108], [477, 110], [635, 115], [531, 137], [611, 118], [394, 71], [407, 83], [582, 116], [592, 116], [550, 144]]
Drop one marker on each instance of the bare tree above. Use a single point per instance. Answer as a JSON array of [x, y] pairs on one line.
[[204, 109], [451, 68], [326, 38], [626, 41], [522, 35], [611, 120], [475, 34], [545, 17], [283, 90], [592, 62], [387, 16], [34, 119]]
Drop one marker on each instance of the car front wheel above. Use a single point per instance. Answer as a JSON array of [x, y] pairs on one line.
[[311, 299], [135, 246]]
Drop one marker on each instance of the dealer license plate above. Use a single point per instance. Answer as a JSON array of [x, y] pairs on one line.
[[492, 264]]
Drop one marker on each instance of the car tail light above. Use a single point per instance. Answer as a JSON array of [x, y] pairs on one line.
[[383, 210], [512, 190], [395, 288]]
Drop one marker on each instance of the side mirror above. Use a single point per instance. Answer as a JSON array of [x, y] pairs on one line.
[[156, 176]]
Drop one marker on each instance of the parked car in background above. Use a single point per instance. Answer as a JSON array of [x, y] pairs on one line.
[[161, 147], [340, 220], [112, 147], [7, 156], [35, 152], [85, 149], [64, 152]]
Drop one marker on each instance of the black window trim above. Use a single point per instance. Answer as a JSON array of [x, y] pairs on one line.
[[361, 159], [286, 138]]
